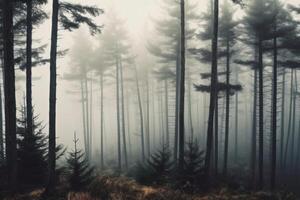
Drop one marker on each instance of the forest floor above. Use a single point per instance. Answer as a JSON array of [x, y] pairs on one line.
[[121, 188]]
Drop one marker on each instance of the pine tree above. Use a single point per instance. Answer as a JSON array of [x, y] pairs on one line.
[[9, 93], [32, 151], [193, 170], [70, 16], [158, 168], [80, 173]]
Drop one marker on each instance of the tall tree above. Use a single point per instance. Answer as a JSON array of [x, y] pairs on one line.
[[182, 86], [227, 40], [213, 91], [9, 93], [259, 25], [70, 16]]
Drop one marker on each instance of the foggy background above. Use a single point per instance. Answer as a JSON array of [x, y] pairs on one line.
[[138, 18]]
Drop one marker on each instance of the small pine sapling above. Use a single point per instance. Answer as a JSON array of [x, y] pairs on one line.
[[79, 169]]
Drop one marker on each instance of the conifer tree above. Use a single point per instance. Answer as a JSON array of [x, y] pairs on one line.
[[9, 93], [159, 166], [193, 169], [80, 173], [70, 16], [32, 151]]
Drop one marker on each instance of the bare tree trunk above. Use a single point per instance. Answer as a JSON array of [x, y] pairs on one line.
[[282, 123], [153, 118], [91, 116], [294, 119], [52, 103], [190, 104], [227, 107], [87, 107], [261, 115], [102, 120], [182, 87], [274, 117], [290, 118], [123, 116], [236, 121], [128, 123], [141, 113], [167, 111], [28, 67], [177, 105], [213, 92], [83, 116], [118, 117], [148, 115], [1, 117], [215, 150]]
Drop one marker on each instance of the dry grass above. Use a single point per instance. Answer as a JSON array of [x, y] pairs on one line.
[[122, 188]]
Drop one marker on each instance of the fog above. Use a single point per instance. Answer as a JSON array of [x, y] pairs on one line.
[[139, 19]]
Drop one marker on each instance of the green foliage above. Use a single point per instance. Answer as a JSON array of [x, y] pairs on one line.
[[32, 151], [157, 169], [191, 178], [80, 174]]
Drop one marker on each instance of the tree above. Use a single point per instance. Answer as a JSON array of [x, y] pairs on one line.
[[80, 174], [181, 87], [192, 174], [9, 93], [32, 11], [71, 16], [115, 45], [259, 25], [32, 151], [227, 37], [80, 72], [213, 91], [141, 112], [158, 167]]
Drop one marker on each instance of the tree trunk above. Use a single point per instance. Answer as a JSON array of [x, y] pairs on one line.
[[167, 111], [83, 116], [182, 87], [102, 120], [118, 116], [274, 117], [91, 117], [261, 115], [190, 105], [177, 104], [236, 121], [213, 92], [227, 107], [52, 103], [282, 123], [123, 115], [141, 113], [1, 120], [87, 115], [215, 150], [128, 123], [254, 129], [290, 119], [148, 116], [294, 119], [9, 94], [29, 117]]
